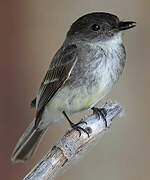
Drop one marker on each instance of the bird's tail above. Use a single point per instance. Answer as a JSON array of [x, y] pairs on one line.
[[27, 143]]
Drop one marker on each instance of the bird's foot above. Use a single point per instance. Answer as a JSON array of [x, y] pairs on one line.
[[101, 112], [76, 126]]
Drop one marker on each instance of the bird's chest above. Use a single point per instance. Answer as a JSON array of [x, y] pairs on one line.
[[97, 69]]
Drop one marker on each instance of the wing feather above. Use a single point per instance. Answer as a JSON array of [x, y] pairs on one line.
[[58, 73]]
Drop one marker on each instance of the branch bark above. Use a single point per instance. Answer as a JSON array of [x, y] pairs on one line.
[[71, 146]]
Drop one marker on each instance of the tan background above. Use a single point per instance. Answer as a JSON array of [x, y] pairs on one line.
[[31, 31]]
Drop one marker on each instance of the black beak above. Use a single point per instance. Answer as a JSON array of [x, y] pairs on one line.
[[123, 25]]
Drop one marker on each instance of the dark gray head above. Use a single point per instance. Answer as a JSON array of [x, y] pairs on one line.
[[98, 26]]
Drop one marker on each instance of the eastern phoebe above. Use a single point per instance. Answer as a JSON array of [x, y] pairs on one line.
[[81, 73]]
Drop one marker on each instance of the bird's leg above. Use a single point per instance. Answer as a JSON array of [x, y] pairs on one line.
[[76, 126], [100, 112]]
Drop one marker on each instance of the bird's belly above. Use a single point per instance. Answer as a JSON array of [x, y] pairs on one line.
[[74, 100], [89, 97], [86, 99]]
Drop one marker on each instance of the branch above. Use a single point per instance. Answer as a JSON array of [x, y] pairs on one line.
[[70, 146]]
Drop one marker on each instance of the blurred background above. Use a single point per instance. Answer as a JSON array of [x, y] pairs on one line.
[[31, 31]]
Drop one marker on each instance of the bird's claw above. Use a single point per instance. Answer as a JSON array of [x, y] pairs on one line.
[[101, 112], [78, 128]]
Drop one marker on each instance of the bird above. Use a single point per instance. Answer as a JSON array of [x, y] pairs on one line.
[[81, 73]]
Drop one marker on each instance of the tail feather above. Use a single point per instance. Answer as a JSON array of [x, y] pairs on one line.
[[27, 143]]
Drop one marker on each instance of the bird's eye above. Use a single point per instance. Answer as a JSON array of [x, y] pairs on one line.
[[95, 27]]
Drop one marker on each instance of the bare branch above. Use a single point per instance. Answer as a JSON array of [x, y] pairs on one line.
[[70, 146]]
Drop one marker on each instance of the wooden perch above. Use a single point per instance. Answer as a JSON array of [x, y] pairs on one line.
[[70, 146]]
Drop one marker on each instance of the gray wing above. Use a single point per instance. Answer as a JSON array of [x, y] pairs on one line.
[[59, 71]]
